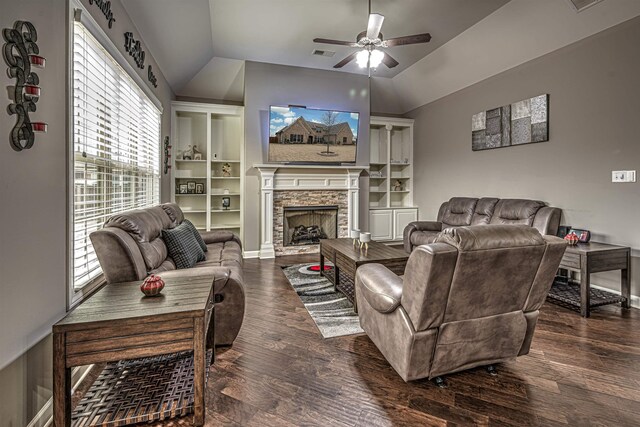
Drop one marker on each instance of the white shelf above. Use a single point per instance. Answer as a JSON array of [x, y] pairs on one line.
[[218, 133], [390, 143], [224, 226]]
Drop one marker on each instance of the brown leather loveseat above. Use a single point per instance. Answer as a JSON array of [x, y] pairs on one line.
[[469, 299], [130, 247], [463, 211]]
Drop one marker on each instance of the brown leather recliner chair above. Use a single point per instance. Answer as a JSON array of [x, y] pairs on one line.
[[463, 211], [469, 299]]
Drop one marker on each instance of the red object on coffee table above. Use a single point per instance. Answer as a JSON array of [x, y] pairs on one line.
[[152, 285]]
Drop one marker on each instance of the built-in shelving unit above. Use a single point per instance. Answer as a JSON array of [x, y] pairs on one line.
[[218, 133], [391, 205]]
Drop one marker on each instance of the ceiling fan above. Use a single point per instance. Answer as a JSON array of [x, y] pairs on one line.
[[371, 42]]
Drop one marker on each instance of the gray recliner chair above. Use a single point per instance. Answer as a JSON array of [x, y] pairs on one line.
[[469, 299]]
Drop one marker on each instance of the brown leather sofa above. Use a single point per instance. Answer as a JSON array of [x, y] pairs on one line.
[[130, 247], [463, 211], [469, 299]]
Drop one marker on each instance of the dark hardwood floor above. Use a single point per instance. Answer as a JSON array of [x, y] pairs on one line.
[[281, 372]]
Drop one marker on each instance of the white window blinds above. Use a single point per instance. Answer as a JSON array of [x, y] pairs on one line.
[[116, 147]]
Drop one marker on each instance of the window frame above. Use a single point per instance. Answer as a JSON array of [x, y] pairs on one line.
[[76, 296]]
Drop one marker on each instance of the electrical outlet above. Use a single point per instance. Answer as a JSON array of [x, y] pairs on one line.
[[623, 176]]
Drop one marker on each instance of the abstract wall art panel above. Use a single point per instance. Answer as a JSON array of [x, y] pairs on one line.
[[522, 122]]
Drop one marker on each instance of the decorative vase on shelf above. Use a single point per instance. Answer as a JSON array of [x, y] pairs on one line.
[[226, 170], [152, 285], [572, 239]]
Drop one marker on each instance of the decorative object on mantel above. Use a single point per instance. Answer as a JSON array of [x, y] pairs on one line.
[[167, 154], [522, 122], [152, 286], [20, 52], [572, 238]]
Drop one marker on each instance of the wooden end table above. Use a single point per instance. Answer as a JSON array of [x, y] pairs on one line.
[[346, 259], [587, 258], [119, 323]]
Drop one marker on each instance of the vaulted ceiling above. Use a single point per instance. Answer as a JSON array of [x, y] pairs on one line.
[[201, 45], [185, 36]]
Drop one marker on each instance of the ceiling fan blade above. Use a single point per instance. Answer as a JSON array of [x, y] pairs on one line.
[[374, 25], [416, 38], [338, 42], [389, 61], [346, 60]]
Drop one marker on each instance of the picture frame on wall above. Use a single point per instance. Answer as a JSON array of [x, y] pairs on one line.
[[182, 189], [191, 187], [199, 188]]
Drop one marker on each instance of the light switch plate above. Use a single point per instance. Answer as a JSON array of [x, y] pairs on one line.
[[623, 176]]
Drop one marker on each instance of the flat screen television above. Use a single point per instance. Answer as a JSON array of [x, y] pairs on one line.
[[307, 135]]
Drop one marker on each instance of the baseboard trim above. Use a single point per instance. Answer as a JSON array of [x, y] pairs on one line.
[[635, 299], [250, 254], [44, 417]]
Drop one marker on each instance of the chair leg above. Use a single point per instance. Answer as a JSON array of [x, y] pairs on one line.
[[440, 382], [491, 369]]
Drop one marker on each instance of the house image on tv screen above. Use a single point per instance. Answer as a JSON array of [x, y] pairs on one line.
[[302, 131]]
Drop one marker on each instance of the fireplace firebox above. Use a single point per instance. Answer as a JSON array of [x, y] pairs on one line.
[[306, 225]]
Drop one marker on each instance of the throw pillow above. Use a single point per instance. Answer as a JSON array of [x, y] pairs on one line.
[[201, 242], [182, 246]]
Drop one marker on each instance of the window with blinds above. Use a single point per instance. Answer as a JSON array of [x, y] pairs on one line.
[[116, 148]]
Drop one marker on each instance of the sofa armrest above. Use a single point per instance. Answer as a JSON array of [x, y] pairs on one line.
[[418, 226], [379, 286], [119, 255], [219, 236], [547, 220]]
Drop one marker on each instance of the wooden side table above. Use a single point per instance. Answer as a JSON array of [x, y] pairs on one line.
[[119, 323], [587, 258]]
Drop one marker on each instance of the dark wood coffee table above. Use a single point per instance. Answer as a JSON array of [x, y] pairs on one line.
[[347, 258], [119, 323]]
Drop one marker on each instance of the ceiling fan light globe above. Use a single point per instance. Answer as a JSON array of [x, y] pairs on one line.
[[362, 58], [376, 58]]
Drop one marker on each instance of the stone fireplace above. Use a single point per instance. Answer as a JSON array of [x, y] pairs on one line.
[[325, 208], [306, 225], [327, 197]]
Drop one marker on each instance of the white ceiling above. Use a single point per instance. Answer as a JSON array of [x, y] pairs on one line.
[[186, 35]]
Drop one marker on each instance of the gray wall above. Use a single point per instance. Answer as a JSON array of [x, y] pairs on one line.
[[594, 106], [269, 84], [33, 220]]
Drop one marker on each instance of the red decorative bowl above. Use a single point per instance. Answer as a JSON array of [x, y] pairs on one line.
[[152, 285], [572, 239]]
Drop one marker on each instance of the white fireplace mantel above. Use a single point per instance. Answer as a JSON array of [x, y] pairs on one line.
[[275, 177]]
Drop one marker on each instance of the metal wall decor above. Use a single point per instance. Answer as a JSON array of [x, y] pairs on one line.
[[20, 52], [134, 49], [105, 8], [167, 154]]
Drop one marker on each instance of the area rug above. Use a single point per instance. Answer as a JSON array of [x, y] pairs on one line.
[[331, 310]]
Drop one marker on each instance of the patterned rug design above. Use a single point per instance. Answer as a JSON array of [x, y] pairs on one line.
[[332, 312]]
